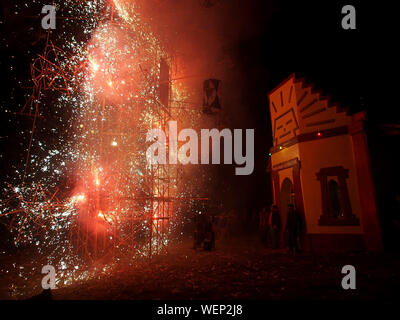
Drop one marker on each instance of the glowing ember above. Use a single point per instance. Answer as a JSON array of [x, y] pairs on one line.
[[109, 84], [78, 198]]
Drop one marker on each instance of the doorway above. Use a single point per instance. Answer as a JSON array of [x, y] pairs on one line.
[[287, 196]]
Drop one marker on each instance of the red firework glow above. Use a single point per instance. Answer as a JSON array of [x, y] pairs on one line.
[[115, 203], [114, 72]]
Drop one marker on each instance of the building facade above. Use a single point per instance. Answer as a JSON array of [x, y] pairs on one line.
[[320, 163]]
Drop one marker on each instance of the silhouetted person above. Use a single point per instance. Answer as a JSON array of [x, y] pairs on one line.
[[263, 226], [198, 236], [209, 238], [293, 228], [274, 223]]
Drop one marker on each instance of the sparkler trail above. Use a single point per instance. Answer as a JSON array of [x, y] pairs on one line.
[[88, 192]]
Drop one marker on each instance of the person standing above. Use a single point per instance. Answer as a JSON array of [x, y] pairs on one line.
[[293, 228], [209, 236], [274, 223], [263, 226], [198, 236]]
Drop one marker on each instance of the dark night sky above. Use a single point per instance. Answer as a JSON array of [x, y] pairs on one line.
[[304, 37]]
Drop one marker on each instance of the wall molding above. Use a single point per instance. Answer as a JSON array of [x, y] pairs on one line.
[[310, 136]]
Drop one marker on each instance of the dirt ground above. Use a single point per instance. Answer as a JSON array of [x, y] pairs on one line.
[[244, 270]]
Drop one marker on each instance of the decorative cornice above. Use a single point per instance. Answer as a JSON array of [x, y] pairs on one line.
[[315, 135], [286, 164]]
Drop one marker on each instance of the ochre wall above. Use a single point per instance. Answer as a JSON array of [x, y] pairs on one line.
[[322, 153], [285, 154]]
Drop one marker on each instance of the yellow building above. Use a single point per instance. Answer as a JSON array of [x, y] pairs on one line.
[[320, 162]]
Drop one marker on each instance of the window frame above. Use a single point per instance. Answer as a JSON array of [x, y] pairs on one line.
[[326, 219]]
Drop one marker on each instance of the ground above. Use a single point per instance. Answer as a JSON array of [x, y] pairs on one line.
[[243, 270]]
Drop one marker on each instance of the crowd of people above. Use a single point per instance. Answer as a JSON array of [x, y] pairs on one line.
[[271, 229], [270, 225]]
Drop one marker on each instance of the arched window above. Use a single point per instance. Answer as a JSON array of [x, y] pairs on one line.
[[335, 200]]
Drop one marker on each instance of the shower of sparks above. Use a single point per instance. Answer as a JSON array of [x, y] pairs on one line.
[[89, 191]]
